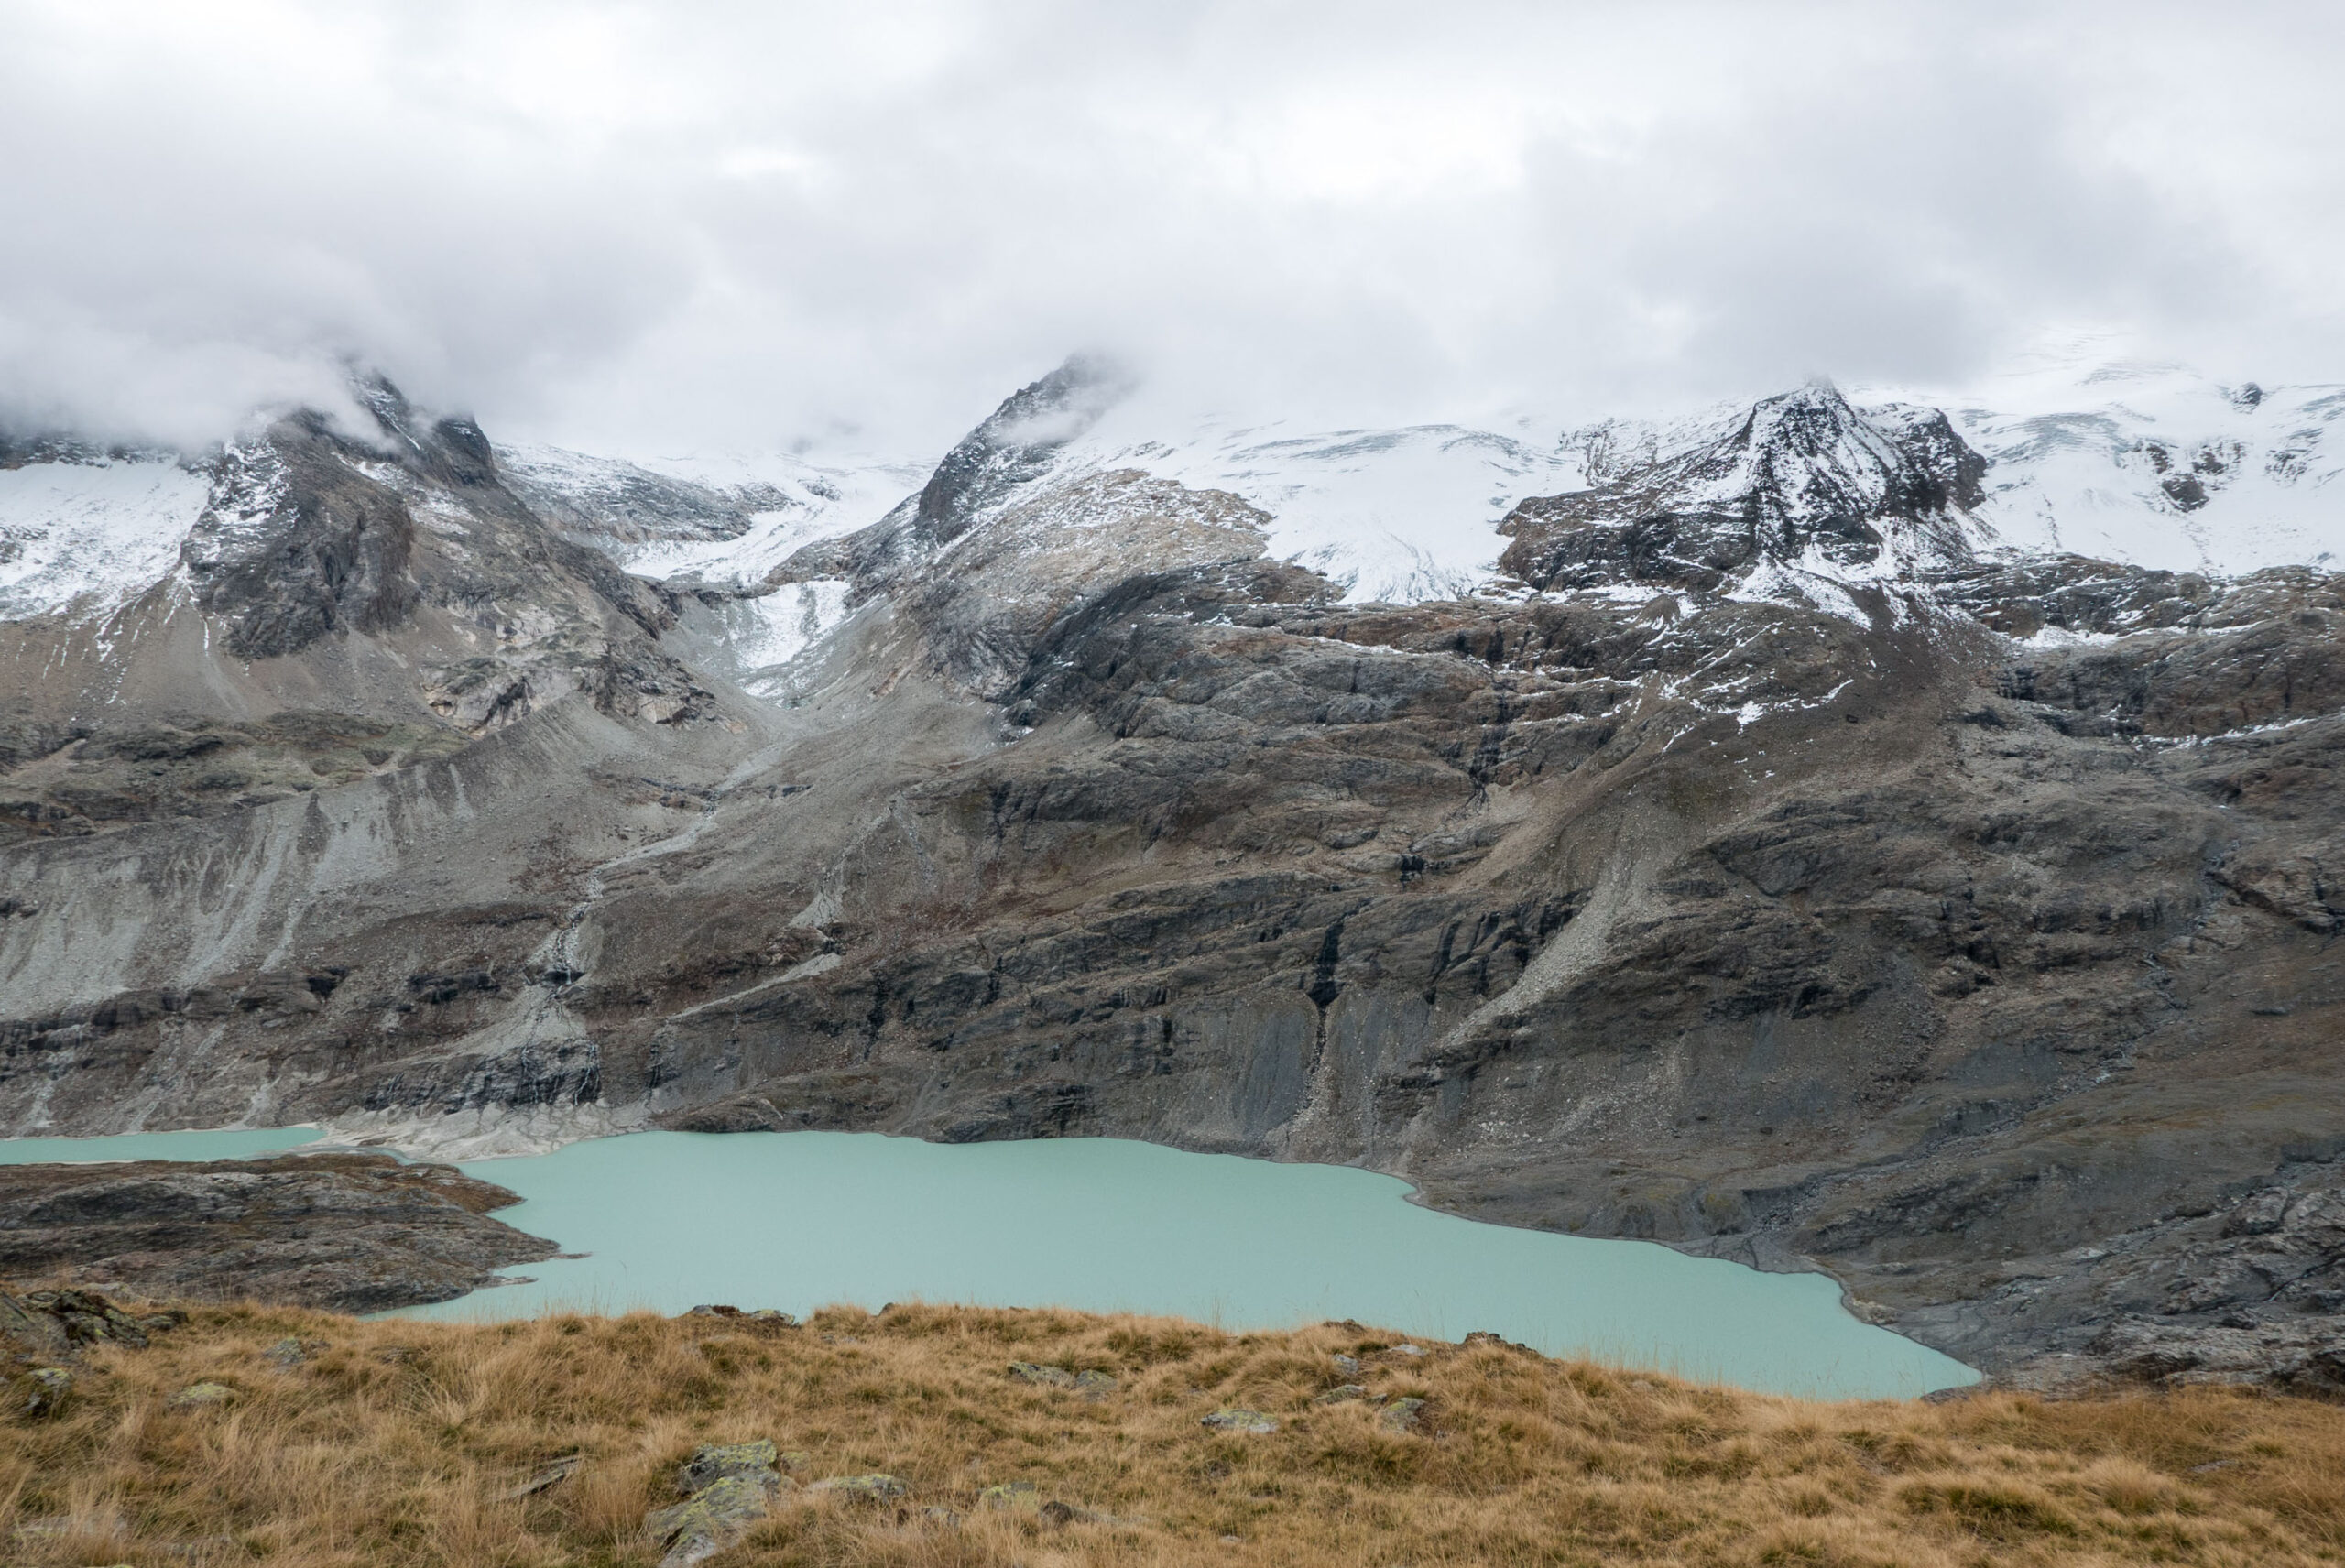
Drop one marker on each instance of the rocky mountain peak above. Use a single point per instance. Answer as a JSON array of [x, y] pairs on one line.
[[1017, 442], [1806, 466], [1796, 476]]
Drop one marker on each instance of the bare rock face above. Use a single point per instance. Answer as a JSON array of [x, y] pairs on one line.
[[1764, 868], [346, 1232], [1013, 447], [1801, 472]]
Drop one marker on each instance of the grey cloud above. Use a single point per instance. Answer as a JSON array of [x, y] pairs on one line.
[[629, 226]]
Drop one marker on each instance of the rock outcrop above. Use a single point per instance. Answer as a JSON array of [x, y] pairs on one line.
[[346, 1232]]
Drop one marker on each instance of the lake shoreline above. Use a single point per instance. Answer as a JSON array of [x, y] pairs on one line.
[[798, 1220]]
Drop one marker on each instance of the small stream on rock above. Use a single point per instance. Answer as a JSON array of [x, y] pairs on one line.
[[797, 1220]]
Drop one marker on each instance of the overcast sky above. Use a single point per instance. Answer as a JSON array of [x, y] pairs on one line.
[[637, 226]]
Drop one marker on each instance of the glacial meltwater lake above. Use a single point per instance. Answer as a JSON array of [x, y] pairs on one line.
[[798, 1220]]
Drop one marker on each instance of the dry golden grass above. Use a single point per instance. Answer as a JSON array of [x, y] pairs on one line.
[[356, 1457]]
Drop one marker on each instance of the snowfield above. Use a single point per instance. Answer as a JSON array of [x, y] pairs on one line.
[[1399, 515], [2154, 465], [98, 531]]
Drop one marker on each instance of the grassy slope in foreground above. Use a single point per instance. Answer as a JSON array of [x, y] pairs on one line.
[[397, 1442]]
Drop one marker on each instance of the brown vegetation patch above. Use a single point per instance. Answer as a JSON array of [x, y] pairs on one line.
[[405, 1442]]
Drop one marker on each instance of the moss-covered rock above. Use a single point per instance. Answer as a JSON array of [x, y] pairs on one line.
[[1013, 1496], [758, 1461], [1401, 1415], [872, 1488], [201, 1396], [715, 1515], [1230, 1418], [41, 1393]]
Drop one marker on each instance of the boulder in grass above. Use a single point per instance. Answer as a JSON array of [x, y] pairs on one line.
[[1401, 1415], [1042, 1376], [1013, 1496], [41, 1393], [554, 1475], [201, 1396], [757, 1460], [288, 1353], [1093, 1386], [711, 1518], [1342, 1394], [872, 1488], [88, 1318], [29, 1331], [1230, 1418]]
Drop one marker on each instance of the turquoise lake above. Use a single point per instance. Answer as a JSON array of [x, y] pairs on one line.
[[798, 1220], [236, 1143]]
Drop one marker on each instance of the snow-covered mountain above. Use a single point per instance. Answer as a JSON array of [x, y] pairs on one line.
[[2150, 466], [1594, 828], [2141, 465]]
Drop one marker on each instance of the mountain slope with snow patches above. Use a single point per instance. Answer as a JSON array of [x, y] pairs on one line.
[[91, 528], [2148, 465], [719, 519]]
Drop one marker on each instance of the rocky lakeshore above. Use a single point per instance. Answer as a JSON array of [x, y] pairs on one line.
[[348, 1232]]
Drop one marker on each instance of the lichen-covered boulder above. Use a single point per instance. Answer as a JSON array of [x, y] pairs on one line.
[[1093, 1386], [1401, 1415], [1342, 1394], [1041, 1376], [201, 1396], [41, 1393], [33, 1334], [288, 1353], [873, 1489], [1230, 1418], [1013, 1496], [713, 1462], [89, 1318], [711, 1518]]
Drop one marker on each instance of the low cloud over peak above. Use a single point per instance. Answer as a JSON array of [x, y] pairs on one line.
[[623, 225]]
